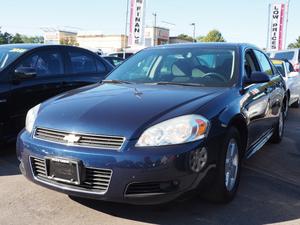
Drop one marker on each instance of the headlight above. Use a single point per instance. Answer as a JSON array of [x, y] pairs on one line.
[[31, 117], [178, 130]]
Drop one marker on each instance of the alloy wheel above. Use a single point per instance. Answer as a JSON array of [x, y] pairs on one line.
[[231, 164]]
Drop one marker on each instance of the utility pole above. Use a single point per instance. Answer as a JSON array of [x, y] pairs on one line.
[[194, 31], [126, 27], [154, 29]]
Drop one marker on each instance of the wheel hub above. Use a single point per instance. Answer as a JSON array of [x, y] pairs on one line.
[[231, 164]]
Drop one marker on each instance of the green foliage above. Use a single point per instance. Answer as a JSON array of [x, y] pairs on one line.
[[295, 44], [17, 38], [7, 38], [212, 36], [185, 37]]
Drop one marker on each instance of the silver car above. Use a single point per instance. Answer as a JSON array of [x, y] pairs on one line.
[[293, 55], [292, 80]]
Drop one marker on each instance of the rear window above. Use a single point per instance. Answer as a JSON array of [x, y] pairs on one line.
[[285, 55]]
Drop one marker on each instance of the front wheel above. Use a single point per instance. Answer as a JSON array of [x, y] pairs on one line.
[[227, 178], [296, 104], [279, 129]]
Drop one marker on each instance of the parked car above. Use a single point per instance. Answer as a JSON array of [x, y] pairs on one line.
[[121, 54], [292, 80], [293, 55], [167, 121], [31, 73], [115, 61]]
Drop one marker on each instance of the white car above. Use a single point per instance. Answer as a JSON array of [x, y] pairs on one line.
[[292, 80], [293, 55]]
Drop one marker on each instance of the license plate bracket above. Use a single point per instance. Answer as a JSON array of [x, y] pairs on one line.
[[63, 170]]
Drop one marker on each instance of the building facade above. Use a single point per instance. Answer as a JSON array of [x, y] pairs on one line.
[[156, 36], [53, 36], [101, 42]]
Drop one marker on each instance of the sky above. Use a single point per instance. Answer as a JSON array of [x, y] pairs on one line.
[[237, 20]]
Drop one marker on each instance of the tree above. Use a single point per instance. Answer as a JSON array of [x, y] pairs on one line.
[[16, 39], [32, 39], [185, 37], [212, 36], [7, 38], [295, 44]]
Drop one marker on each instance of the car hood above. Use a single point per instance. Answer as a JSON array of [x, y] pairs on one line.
[[121, 110]]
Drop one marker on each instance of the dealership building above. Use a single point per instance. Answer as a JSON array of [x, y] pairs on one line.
[[54, 36], [109, 43]]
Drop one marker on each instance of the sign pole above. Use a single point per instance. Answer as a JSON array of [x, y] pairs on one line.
[[268, 30], [286, 23], [126, 25]]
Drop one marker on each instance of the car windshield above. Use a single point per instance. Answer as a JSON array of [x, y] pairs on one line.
[[212, 67], [9, 54]]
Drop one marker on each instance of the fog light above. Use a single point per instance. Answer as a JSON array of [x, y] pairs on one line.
[[198, 159]]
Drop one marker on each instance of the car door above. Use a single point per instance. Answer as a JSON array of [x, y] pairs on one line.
[[4, 96], [83, 68], [256, 100], [293, 82], [27, 92], [275, 88]]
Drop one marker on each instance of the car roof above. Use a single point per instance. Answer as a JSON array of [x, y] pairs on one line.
[[205, 44], [33, 46], [277, 61]]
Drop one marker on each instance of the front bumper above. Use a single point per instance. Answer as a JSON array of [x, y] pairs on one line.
[[166, 166]]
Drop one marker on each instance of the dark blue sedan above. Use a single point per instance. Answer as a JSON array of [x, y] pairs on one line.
[[169, 120]]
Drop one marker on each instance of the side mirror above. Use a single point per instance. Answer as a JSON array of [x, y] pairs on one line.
[[24, 73], [257, 77]]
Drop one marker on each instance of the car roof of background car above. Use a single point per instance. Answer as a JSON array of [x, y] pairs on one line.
[[205, 45], [279, 61], [33, 46]]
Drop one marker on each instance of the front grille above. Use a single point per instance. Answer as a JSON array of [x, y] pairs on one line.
[[84, 140], [96, 180]]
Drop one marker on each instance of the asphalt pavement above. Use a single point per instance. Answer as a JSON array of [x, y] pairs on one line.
[[269, 194]]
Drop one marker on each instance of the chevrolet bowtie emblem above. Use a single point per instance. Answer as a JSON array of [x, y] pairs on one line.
[[71, 138]]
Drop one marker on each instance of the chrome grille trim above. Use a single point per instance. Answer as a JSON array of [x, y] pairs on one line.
[[96, 180], [85, 140]]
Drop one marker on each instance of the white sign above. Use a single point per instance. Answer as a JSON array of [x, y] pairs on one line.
[[137, 22], [277, 27]]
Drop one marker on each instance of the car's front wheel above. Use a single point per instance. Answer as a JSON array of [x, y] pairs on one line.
[[227, 178], [296, 104], [279, 129]]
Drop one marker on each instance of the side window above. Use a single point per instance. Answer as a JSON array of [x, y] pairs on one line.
[[82, 62], [289, 66], [45, 63], [100, 66], [250, 64], [264, 63]]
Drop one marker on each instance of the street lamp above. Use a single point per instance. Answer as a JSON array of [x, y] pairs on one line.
[[194, 31]]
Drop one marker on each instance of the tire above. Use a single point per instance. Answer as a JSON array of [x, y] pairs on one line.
[[223, 190], [296, 104], [286, 108], [279, 129]]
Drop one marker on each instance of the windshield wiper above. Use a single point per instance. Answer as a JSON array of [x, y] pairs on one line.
[[176, 83], [115, 82]]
